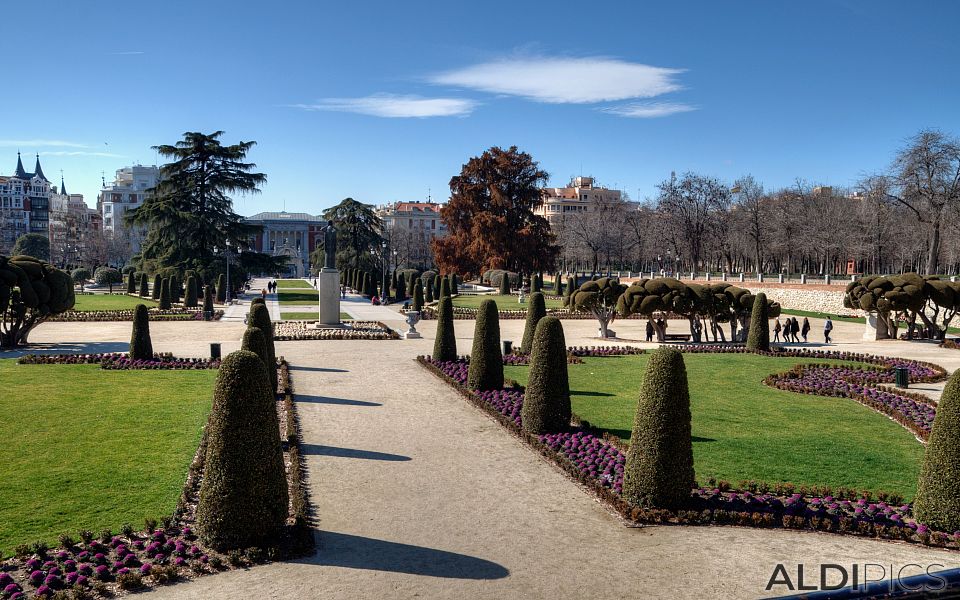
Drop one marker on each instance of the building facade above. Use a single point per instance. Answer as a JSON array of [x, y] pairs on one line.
[[580, 195], [294, 235], [24, 204], [127, 191], [73, 227], [409, 227]]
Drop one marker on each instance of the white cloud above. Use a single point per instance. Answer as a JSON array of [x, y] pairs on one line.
[[62, 153], [126, 53], [40, 143], [648, 110], [395, 106], [564, 80]]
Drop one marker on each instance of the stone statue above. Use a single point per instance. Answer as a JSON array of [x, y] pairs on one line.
[[330, 246]]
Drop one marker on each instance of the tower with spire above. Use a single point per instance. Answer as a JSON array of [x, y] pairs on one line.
[[26, 198]]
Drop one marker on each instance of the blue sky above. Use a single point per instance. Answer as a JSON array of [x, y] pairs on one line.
[[384, 101]]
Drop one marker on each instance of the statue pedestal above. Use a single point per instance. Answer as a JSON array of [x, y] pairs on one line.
[[328, 286]]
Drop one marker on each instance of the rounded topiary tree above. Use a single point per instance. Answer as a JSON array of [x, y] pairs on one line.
[[486, 362], [157, 282], [208, 302], [141, 347], [505, 285], [260, 318], [445, 345], [144, 291], [221, 289], [253, 341], [107, 276], [659, 466], [164, 300], [190, 301], [80, 276], [418, 296], [937, 504], [30, 292], [546, 402], [243, 495], [758, 338], [536, 310], [600, 298], [132, 282]]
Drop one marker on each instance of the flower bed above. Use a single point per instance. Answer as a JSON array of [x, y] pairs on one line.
[[356, 330], [173, 314], [118, 361], [429, 313], [598, 463], [163, 553]]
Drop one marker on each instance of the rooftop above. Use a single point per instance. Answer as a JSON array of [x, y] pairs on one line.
[[284, 216]]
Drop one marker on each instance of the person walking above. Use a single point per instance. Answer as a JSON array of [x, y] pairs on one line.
[[649, 331], [827, 329], [805, 329], [776, 330], [795, 329], [263, 293]]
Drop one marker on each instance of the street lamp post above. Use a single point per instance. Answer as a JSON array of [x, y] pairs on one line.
[[226, 254]]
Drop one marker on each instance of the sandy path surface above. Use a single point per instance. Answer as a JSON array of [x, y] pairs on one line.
[[419, 494]]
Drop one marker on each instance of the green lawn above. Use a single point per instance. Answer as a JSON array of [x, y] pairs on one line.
[[503, 302], [88, 302], [308, 316], [745, 430], [293, 283], [297, 296], [85, 448]]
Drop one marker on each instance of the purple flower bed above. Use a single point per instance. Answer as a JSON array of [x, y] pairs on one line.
[[118, 361], [599, 464]]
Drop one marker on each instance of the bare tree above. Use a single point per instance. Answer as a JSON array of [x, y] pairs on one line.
[[690, 204]]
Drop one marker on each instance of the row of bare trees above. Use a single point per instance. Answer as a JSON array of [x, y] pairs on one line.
[[904, 219]]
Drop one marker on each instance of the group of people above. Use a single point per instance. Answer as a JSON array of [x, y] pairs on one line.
[[790, 328], [272, 286]]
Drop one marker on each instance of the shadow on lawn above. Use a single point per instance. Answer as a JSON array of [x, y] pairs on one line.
[[320, 450], [592, 394], [66, 348], [337, 401], [624, 434], [356, 552]]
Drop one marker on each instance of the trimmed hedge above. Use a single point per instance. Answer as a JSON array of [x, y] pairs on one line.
[[546, 404], [759, 336], [536, 310], [221, 289], [243, 495], [190, 300], [260, 318], [486, 362], [164, 302], [445, 345], [207, 301], [505, 286], [141, 347], [444, 288], [131, 282], [417, 296], [938, 492], [253, 341], [144, 286], [659, 465], [157, 282]]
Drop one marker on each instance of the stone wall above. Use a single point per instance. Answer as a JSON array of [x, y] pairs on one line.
[[797, 298]]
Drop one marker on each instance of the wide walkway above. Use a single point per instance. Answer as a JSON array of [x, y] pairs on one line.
[[418, 494]]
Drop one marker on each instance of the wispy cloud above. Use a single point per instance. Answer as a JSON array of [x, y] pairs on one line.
[[126, 53], [40, 144], [81, 153], [395, 106], [564, 80], [648, 110]]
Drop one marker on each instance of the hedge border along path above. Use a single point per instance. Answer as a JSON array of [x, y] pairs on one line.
[[287, 331], [120, 361], [106, 563], [156, 314], [596, 461]]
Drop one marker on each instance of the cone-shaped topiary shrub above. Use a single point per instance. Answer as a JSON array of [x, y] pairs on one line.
[[418, 296], [253, 341], [569, 289], [221, 289], [257, 300], [385, 286], [141, 347], [131, 282], [208, 301], [445, 346], [536, 283], [536, 310], [557, 285], [759, 336], [436, 286], [176, 289], [144, 291], [659, 467], [260, 318], [411, 283], [505, 285], [428, 290], [190, 301], [444, 288], [243, 496], [486, 362], [165, 294], [157, 282], [546, 402], [937, 504]]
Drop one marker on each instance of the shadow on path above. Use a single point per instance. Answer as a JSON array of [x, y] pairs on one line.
[[66, 348], [319, 450], [338, 401], [355, 552], [318, 369]]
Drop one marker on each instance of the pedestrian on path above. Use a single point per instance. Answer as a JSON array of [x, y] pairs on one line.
[[805, 330], [827, 328], [649, 331], [795, 329], [263, 293], [776, 330]]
